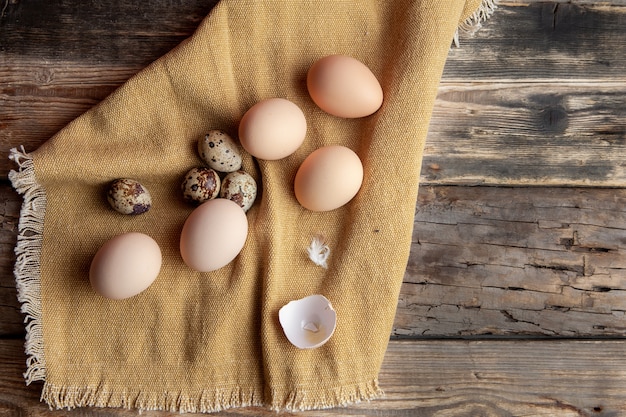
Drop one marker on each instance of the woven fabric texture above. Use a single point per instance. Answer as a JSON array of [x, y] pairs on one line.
[[208, 341]]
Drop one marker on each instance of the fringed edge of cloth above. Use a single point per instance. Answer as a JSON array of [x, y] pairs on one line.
[[27, 268], [341, 396], [475, 21], [207, 401]]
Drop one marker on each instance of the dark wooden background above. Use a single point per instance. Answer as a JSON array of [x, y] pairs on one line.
[[514, 300]]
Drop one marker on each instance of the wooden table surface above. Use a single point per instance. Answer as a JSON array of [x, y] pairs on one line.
[[514, 299]]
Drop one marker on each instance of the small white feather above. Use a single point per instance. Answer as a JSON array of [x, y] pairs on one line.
[[319, 251]]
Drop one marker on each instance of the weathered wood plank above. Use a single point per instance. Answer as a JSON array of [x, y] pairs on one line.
[[547, 134], [428, 378], [61, 58], [131, 34], [11, 320], [544, 41], [577, 2], [522, 261]]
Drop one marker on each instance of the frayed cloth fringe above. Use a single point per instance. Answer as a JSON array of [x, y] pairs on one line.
[[303, 400], [473, 23], [209, 401], [27, 269]]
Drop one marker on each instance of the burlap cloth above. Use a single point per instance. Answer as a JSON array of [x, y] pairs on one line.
[[209, 341]]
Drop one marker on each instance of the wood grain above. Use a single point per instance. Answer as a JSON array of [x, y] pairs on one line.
[[542, 261], [544, 41], [96, 32], [568, 133], [11, 320], [565, 134], [429, 378]]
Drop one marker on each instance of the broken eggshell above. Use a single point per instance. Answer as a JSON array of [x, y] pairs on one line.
[[308, 322]]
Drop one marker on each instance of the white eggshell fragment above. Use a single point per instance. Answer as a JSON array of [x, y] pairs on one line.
[[219, 151], [240, 187], [272, 129], [213, 235], [328, 178], [343, 86], [125, 266], [309, 322], [128, 196], [200, 185]]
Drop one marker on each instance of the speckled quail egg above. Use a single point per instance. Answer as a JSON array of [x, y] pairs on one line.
[[128, 196], [200, 184], [220, 151], [240, 187]]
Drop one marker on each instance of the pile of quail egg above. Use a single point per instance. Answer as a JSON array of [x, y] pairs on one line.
[[222, 156], [222, 177]]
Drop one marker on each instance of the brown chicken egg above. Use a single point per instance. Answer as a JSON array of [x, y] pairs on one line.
[[343, 86], [272, 129], [213, 235], [125, 265], [328, 178]]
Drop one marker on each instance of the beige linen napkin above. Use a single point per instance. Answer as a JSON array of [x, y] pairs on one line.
[[200, 342]]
